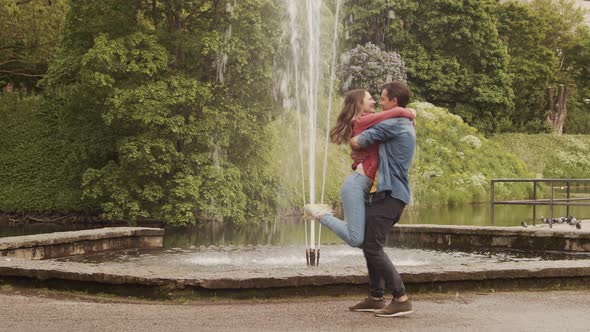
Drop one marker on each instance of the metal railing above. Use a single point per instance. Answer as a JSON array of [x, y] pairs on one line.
[[552, 201]]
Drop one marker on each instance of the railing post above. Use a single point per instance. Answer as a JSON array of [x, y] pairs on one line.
[[551, 207], [535, 202], [492, 202], [567, 207]]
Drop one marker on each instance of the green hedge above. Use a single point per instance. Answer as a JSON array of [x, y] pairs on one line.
[[32, 159]]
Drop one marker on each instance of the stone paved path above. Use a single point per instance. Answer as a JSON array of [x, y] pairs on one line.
[[505, 311]]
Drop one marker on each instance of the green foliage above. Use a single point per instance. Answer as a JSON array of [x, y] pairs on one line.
[[578, 67], [454, 163], [550, 156], [152, 134], [32, 160], [489, 62], [163, 109], [453, 54], [531, 63], [30, 32], [567, 35]]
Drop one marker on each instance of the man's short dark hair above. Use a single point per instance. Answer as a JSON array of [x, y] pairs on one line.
[[397, 90]]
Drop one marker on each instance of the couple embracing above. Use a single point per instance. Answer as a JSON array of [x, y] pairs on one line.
[[376, 193]]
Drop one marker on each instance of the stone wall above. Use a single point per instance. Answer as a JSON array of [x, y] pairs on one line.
[[474, 237], [62, 244]]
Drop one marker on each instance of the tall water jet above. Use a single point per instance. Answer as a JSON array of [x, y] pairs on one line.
[[300, 88]]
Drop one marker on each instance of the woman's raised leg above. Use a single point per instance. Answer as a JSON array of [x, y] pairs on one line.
[[353, 192]]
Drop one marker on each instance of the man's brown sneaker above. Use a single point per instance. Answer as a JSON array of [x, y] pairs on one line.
[[369, 305], [396, 309]]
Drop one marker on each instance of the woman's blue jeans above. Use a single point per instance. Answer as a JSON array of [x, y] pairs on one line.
[[353, 192]]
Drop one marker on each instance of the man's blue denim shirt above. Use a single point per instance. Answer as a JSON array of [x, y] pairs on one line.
[[397, 140]]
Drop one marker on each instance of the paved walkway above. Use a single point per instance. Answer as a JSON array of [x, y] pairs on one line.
[[514, 311]]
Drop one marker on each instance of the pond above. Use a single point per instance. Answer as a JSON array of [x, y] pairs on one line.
[[290, 230]]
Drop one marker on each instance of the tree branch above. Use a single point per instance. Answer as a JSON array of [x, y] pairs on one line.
[[195, 13], [20, 74], [24, 2], [10, 61]]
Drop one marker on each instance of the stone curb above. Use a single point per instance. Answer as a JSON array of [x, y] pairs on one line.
[[492, 230], [561, 238], [12, 269], [48, 239]]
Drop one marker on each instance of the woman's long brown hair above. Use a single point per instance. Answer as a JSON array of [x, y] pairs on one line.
[[351, 109]]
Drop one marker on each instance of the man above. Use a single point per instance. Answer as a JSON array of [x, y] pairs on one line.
[[384, 206]]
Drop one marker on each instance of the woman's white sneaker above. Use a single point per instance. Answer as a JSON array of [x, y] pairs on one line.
[[317, 211]]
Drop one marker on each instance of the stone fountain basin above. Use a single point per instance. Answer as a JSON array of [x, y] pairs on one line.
[[63, 244], [266, 268], [181, 276], [560, 237]]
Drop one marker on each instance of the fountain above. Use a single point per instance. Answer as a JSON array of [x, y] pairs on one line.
[[218, 258], [300, 82]]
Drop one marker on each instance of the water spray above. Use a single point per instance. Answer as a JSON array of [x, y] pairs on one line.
[[306, 245], [301, 83]]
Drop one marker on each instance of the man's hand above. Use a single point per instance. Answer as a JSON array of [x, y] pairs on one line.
[[354, 143], [413, 111], [358, 156]]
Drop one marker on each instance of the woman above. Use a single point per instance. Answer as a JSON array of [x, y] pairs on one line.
[[358, 114]]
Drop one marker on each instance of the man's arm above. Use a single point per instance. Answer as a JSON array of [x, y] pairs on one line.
[[381, 132], [369, 120]]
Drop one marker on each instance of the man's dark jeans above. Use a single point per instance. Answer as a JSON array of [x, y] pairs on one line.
[[382, 212]]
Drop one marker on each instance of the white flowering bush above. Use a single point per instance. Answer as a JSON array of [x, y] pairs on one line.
[[550, 156], [454, 163], [471, 140], [369, 67]]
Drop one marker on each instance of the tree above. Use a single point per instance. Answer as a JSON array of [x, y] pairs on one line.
[[531, 63], [578, 120], [30, 33], [153, 133], [453, 54], [566, 34]]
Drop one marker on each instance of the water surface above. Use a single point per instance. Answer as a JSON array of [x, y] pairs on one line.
[[290, 230]]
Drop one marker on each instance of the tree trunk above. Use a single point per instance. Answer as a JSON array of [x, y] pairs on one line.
[[557, 108], [155, 13]]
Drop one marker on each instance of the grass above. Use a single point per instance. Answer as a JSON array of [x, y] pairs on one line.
[[550, 156]]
